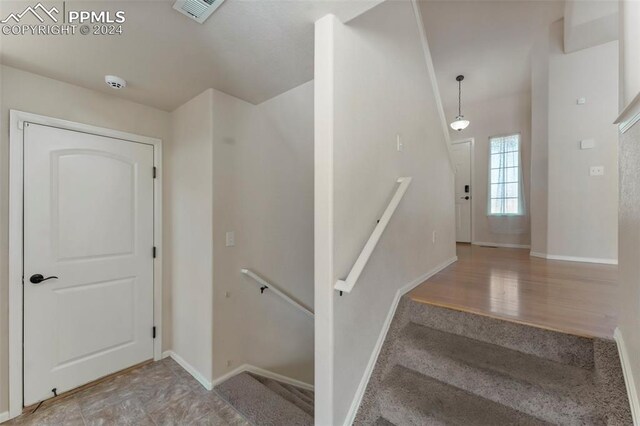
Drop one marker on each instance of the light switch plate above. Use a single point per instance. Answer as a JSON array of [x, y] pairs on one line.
[[581, 101], [587, 143], [231, 239]]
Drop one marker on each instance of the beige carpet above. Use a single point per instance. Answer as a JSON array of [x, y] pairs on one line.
[[445, 367]]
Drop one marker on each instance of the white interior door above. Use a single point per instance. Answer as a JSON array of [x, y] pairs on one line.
[[88, 222], [462, 160]]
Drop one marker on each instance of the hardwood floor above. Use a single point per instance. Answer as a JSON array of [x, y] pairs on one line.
[[572, 297]]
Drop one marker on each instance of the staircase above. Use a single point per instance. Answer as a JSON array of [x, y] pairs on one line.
[[444, 367], [264, 401]]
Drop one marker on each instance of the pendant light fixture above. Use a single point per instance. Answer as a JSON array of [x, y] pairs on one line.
[[459, 123]]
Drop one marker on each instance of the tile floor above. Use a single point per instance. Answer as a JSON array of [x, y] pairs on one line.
[[161, 393]]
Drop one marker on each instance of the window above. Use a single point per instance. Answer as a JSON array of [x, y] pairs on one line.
[[505, 180]]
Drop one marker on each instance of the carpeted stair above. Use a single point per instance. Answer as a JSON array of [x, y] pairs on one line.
[[265, 401], [445, 367]]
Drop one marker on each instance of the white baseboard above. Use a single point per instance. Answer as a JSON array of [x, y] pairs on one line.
[[502, 245], [189, 369], [634, 402], [583, 259], [264, 373], [357, 399], [229, 375], [4, 417], [604, 261]]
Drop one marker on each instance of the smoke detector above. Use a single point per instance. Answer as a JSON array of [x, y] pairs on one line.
[[115, 82], [198, 10]]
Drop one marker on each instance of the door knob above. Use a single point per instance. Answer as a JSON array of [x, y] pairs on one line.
[[38, 278], [465, 198]]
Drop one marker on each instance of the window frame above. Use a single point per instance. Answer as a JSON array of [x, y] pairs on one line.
[[519, 172]]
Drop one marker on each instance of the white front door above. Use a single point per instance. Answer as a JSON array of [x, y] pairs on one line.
[[462, 160], [88, 231]]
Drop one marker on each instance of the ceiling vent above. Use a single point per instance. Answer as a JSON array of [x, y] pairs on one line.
[[198, 10]]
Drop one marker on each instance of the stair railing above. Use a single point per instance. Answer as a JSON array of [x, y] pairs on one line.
[[264, 285], [347, 284]]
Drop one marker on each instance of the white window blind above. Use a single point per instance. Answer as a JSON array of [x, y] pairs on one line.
[[505, 177]]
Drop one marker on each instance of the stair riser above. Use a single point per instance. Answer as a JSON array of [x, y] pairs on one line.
[[559, 347], [298, 393], [289, 396], [499, 388], [381, 421], [404, 416]]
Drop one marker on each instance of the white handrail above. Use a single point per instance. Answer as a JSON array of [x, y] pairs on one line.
[[347, 285], [266, 285]]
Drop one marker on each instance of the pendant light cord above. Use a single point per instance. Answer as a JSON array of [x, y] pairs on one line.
[[459, 97]]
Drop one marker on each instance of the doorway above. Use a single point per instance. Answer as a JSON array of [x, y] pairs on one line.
[[87, 267], [462, 154]]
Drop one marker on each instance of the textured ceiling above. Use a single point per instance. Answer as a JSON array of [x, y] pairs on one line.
[[251, 49]]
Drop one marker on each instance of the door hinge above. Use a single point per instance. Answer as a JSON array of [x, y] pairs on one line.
[[153, 331], [155, 172], [154, 252]]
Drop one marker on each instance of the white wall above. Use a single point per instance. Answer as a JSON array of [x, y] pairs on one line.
[[497, 117], [248, 169], [582, 209], [39, 95], [630, 46], [189, 188], [539, 142], [629, 209], [573, 214], [629, 267], [371, 84], [263, 190], [589, 23]]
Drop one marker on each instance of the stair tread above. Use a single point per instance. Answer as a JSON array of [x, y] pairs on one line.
[[410, 398], [286, 392], [497, 358], [306, 392], [260, 404], [522, 381]]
